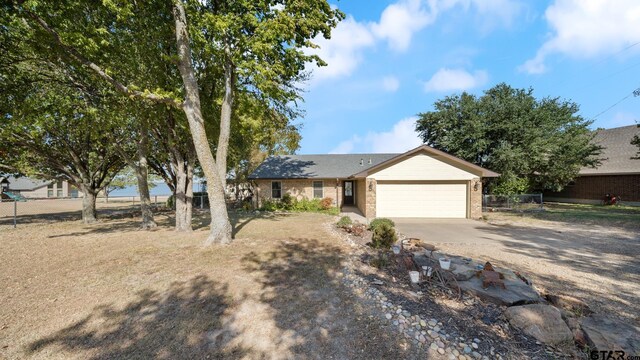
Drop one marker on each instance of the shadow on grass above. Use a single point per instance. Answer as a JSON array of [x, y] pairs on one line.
[[300, 284], [183, 322]]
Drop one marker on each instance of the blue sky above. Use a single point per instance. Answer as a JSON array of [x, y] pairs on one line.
[[389, 60]]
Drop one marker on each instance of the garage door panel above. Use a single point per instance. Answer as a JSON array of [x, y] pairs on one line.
[[421, 200]]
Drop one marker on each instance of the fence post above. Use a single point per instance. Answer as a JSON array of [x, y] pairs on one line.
[[201, 201], [155, 201], [15, 213]]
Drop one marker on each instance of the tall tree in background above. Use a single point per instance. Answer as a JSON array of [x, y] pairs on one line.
[[269, 31], [534, 144], [636, 141], [55, 127]]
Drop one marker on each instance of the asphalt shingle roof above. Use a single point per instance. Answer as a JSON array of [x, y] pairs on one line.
[[326, 166], [617, 153], [24, 183]]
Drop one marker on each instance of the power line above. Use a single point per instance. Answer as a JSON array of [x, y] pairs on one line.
[[635, 92]]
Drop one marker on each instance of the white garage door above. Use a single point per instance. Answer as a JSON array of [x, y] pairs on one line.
[[421, 200]]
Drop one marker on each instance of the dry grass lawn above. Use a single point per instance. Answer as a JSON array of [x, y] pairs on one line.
[[111, 291]]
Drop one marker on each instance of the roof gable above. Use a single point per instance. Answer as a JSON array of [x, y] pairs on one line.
[[440, 155]]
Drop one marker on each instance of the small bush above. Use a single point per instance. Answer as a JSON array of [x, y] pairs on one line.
[[287, 202], [375, 223], [383, 236], [344, 222], [326, 203], [171, 202], [382, 261]]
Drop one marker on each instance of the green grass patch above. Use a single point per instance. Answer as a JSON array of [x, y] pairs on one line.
[[590, 214]]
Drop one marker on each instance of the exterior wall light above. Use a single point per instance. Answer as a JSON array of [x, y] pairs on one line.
[[370, 185], [476, 185]]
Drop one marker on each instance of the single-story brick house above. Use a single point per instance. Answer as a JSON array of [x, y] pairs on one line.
[[619, 173], [423, 182], [36, 188]]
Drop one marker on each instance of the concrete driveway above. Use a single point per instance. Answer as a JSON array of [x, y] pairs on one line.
[[595, 263], [446, 231]]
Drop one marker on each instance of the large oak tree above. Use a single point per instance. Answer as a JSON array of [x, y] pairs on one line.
[[261, 43], [535, 144]]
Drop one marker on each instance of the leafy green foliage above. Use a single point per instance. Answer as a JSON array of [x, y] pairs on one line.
[[383, 236], [294, 205], [534, 144], [377, 222], [344, 222], [636, 141]]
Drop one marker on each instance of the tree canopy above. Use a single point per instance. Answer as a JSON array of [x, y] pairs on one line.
[[535, 144]]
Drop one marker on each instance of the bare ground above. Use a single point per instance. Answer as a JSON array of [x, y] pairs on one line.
[[597, 260], [111, 291]]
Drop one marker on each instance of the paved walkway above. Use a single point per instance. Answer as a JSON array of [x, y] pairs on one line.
[[354, 213]]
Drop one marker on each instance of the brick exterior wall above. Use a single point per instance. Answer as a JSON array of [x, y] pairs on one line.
[[370, 205], [475, 200], [595, 187], [300, 189]]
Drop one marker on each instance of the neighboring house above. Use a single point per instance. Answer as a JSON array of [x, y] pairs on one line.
[[35, 188], [423, 182], [619, 173]]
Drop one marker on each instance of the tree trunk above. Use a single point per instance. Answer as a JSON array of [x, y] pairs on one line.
[[225, 117], [88, 206], [142, 175], [183, 199], [189, 189], [220, 225]]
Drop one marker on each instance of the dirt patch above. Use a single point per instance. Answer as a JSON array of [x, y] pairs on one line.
[[111, 291]]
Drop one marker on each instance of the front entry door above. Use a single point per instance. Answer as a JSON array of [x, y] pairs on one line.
[[348, 193]]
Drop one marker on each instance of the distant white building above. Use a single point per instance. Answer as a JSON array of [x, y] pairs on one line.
[[36, 188]]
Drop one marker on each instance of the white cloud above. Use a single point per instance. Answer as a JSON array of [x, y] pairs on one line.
[[390, 83], [584, 29], [400, 138], [342, 52], [621, 118], [455, 80], [397, 25], [399, 21]]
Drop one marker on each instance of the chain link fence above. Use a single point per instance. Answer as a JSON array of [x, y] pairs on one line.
[[14, 212], [519, 202]]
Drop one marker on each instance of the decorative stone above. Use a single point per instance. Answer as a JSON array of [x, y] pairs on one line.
[[440, 344], [543, 322], [434, 346], [441, 351], [432, 323], [423, 323], [474, 345], [607, 334], [476, 355], [467, 350], [388, 316], [455, 352], [436, 328]]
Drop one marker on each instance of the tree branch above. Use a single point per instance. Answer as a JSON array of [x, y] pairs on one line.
[[100, 72]]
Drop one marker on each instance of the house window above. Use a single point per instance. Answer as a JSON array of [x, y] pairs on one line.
[[50, 190], [318, 191], [59, 189], [276, 189]]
